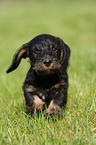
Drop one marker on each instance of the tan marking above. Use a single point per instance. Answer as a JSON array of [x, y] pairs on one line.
[[30, 89], [35, 68], [37, 105], [59, 65], [62, 53], [50, 45], [51, 107], [45, 67], [20, 54], [38, 47], [58, 85]]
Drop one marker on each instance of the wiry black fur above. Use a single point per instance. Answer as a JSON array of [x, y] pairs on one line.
[[47, 77]]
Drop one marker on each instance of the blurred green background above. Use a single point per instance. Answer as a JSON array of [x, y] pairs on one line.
[[75, 22]]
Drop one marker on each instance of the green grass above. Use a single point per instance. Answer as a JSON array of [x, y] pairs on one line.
[[75, 22]]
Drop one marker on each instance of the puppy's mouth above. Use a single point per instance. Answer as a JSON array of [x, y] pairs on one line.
[[49, 69]]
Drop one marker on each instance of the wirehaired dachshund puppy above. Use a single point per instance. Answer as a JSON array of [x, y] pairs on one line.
[[46, 83]]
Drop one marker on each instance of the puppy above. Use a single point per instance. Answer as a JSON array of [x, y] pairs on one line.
[[46, 83]]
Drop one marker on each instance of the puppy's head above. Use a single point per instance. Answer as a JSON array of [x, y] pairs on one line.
[[47, 54]]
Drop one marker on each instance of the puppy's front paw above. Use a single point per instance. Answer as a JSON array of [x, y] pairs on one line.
[[37, 105], [54, 111]]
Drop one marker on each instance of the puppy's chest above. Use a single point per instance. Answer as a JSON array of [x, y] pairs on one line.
[[45, 83]]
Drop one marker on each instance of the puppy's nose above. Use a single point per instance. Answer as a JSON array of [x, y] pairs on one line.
[[47, 62]]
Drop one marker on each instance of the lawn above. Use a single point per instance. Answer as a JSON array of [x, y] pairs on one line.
[[74, 22]]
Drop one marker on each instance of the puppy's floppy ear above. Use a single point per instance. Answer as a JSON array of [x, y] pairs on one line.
[[23, 52], [65, 53]]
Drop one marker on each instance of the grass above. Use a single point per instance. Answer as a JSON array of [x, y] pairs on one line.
[[75, 22]]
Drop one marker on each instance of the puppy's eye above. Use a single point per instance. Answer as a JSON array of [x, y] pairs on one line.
[[35, 50], [54, 48]]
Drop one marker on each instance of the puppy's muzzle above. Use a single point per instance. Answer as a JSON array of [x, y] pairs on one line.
[[47, 62], [48, 65]]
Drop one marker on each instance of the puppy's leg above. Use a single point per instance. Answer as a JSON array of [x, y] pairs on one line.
[[54, 109], [58, 102], [33, 102]]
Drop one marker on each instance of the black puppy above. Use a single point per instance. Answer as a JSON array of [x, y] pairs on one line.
[[46, 83]]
